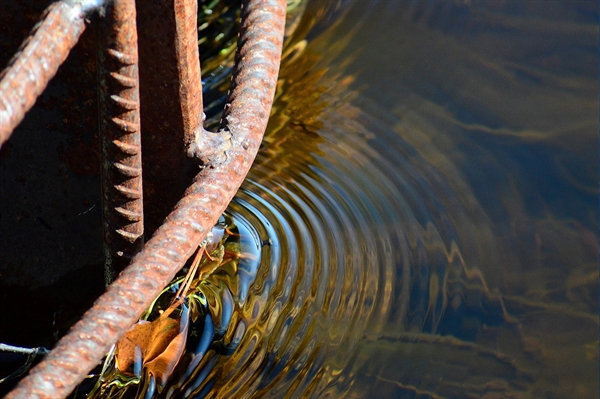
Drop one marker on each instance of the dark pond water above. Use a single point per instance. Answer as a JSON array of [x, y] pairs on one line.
[[422, 219], [429, 183]]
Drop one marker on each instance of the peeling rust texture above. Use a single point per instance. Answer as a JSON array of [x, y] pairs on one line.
[[30, 70], [246, 117], [120, 139], [188, 66]]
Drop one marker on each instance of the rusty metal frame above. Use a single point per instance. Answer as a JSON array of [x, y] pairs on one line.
[[120, 138], [38, 59], [243, 124]]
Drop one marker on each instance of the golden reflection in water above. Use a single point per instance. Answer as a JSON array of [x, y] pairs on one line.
[[533, 252], [526, 259], [427, 208]]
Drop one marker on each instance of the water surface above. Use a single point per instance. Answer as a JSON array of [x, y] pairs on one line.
[[428, 187], [422, 218]]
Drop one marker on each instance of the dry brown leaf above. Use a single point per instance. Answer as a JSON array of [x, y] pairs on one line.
[[164, 330], [138, 335], [163, 365], [153, 339]]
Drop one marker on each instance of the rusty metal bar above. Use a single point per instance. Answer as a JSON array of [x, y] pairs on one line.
[[188, 66], [30, 70], [161, 41], [246, 117], [120, 139]]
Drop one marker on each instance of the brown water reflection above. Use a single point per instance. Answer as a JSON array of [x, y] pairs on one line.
[[464, 137]]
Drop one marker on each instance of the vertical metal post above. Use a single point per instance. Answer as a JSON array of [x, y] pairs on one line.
[[122, 198], [167, 169], [188, 66]]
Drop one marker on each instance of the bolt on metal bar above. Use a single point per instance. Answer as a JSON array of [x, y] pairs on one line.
[[120, 139], [246, 116], [30, 70]]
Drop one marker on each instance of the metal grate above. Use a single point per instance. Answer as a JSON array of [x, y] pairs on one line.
[[224, 156]]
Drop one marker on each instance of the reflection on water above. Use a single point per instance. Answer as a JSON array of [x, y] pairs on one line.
[[429, 184], [426, 197]]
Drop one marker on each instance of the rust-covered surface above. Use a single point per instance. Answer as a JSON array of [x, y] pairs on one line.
[[245, 119], [120, 137], [38, 60], [188, 66], [167, 169]]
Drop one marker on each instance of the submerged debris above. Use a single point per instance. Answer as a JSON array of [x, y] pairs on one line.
[[167, 345]]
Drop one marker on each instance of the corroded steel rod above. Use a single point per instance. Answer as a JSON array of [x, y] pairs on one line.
[[165, 49], [30, 70], [119, 103], [188, 66], [249, 105]]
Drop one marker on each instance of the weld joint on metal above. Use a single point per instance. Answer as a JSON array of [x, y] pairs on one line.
[[87, 6], [209, 148]]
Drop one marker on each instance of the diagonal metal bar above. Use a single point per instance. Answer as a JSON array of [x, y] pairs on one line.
[[120, 139], [250, 100], [30, 70]]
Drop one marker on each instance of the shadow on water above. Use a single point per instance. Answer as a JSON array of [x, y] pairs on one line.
[[426, 207]]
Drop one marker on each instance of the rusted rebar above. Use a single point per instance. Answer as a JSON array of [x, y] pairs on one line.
[[188, 66], [164, 30], [202, 146], [30, 70], [120, 141], [250, 100]]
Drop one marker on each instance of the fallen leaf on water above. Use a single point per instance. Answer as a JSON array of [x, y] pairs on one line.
[[162, 366], [155, 339], [137, 335]]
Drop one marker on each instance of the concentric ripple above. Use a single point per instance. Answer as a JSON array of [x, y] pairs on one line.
[[355, 239], [385, 232], [390, 261], [323, 264]]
